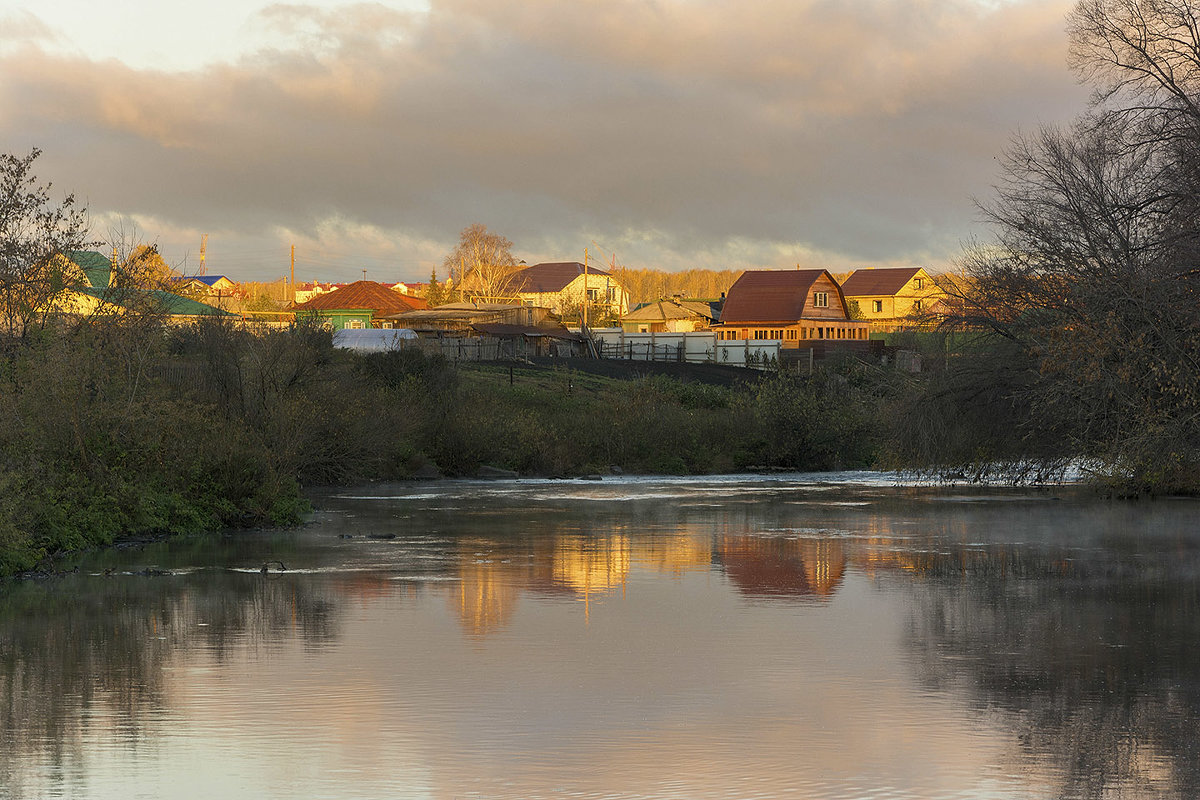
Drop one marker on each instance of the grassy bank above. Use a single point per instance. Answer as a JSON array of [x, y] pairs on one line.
[[117, 430]]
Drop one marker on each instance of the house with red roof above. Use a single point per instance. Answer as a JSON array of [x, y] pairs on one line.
[[789, 305], [892, 297], [359, 305]]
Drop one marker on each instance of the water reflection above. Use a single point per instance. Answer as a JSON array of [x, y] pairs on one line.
[[762, 639]]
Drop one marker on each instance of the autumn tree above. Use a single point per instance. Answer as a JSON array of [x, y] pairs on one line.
[[1084, 314], [481, 264], [36, 235]]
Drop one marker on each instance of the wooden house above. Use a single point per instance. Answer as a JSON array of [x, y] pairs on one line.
[[893, 297], [792, 306], [362, 304]]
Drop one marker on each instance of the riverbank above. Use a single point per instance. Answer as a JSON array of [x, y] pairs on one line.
[[111, 432]]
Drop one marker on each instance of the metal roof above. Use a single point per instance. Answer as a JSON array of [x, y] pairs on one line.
[[670, 309], [366, 295], [551, 276], [766, 295], [878, 282]]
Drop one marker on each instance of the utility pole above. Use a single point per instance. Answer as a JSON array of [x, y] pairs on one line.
[[203, 251], [585, 289], [292, 283]]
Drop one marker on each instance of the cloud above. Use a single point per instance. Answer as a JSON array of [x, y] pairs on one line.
[[693, 132]]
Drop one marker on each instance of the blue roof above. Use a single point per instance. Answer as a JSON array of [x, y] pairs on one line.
[[210, 280]]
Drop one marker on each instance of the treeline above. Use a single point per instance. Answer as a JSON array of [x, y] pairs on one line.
[[649, 285], [117, 428]]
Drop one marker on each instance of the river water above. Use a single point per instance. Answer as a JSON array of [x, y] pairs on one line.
[[836, 636]]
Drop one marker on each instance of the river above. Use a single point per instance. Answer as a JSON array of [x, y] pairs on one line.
[[807, 636]]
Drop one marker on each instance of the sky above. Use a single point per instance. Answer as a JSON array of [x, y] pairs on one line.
[[663, 134]]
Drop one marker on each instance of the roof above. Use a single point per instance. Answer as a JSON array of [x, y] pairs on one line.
[[364, 294], [766, 295], [501, 330], [551, 276], [156, 300], [670, 309], [208, 280], [97, 267], [876, 282]]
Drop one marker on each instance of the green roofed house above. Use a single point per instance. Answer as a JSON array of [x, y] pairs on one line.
[[92, 290], [360, 305]]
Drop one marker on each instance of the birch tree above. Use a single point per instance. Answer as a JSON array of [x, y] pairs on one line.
[[481, 264]]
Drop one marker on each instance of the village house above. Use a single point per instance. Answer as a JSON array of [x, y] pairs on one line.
[[208, 288], [307, 290], [893, 297], [562, 287], [791, 306], [413, 289], [674, 315], [94, 289], [359, 305]]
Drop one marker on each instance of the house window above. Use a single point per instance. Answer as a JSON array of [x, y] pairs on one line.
[[916, 305], [593, 295], [354, 324], [388, 325], [877, 306], [920, 283], [821, 299]]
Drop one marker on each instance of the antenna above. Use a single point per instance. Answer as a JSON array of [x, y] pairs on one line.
[[203, 251]]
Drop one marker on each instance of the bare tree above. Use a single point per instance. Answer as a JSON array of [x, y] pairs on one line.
[[481, 264], [1085, 310], [36, 236]]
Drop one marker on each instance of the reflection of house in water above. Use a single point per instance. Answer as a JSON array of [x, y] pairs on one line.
[[775, 567], [675, 554], [587, 565], [486, 595]]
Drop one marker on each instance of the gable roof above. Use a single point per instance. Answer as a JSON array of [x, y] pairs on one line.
[[552, 276], [670, 309], [208, 280], [364, 294], [872, 282], [770, 295]]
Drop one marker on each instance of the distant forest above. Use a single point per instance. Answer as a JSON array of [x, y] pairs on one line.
[[648, 285]]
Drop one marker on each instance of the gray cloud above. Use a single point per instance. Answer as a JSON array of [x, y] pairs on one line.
[[710, 133]]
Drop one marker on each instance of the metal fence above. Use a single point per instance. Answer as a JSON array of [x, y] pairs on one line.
[[696, 347]]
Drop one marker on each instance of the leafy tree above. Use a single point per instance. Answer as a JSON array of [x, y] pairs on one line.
[[35, 235], [482, 263]]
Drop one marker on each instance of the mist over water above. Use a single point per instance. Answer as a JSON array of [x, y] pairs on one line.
[[800, 636]]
